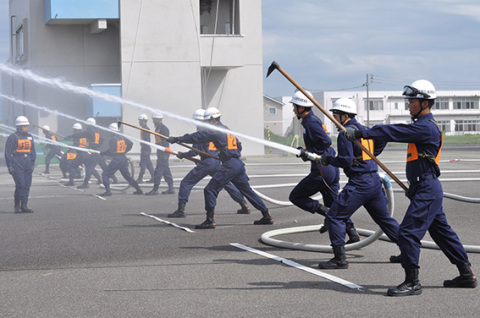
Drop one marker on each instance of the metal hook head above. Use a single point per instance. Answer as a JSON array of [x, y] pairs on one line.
[[272, 68]]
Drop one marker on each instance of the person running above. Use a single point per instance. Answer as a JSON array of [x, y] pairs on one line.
[[232, 169], [425, 212]]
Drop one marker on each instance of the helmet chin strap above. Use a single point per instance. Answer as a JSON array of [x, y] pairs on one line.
[[300, 113], [415, 116]]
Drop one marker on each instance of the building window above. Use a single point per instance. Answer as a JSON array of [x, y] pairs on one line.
[[444, 125], [19, 44], [225, 20], [396, 105], [374, 104], [467, 125], [465, 103], [272, 111], [441, 103]]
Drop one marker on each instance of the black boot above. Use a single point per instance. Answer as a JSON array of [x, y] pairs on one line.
[[266, 219], [467, 278], [170, 190], [138, 190], [338, 262], [411, 285], [83, 186], [154, 191], [396, 258], [209, 223], [24, 208], [244, 209], [180, 212], [17, 206], [107, 193], [352, 236], [322, 210]]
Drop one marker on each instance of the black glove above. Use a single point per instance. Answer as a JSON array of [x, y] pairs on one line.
[[180, 155], [325, 160], [351, 133], [303, 154], [173, 140], [11, 170]]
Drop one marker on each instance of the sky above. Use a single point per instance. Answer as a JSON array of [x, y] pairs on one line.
[[333, 45]]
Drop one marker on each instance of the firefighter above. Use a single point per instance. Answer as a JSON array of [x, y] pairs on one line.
[[118, 148], [364, 186], [53, 149], [425, 212], [206, 167], [323, 179], [162, 168], [232, 169], [80, 139], [95, 141], [20, 158], [145, 151]]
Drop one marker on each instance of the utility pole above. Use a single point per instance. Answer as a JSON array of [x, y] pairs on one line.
[[368, 104]]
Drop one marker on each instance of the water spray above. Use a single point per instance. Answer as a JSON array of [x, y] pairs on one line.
[[67, 86]]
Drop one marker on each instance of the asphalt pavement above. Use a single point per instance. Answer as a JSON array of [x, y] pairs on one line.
[[79, 255]]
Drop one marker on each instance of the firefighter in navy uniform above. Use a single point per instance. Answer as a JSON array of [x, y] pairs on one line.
[[162, 168], [145, 151], [20, 158], [323, 179], [118, 148], [232, 168], [425, 212], [364, 187], [95, 141], [206, 167], [53, 149], [80, 139]]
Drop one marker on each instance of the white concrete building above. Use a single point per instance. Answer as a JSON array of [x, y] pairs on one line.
[[176, 56]]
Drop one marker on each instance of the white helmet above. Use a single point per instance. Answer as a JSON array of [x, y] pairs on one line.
[[143, 117], [91, 121], [345, 105], [22, 121], [422, 89], [199, 114], [113, 126], [77, 126], [157, 116], [300, 99], [46, 127], [212, 112]]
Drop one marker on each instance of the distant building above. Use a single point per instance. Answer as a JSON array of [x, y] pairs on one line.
[[176, 56]]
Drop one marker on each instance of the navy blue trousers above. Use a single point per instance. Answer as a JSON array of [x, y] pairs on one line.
[[118, 162], [425, 213], [22, 175], [365, 190], [145, 163], [162, 170], [233, 171], [206, 167]]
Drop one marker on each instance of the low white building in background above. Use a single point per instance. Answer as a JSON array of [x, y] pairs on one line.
[[456, 112]]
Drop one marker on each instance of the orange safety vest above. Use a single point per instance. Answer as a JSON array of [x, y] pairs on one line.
[[121, 146], [82, 142], [24, 146]]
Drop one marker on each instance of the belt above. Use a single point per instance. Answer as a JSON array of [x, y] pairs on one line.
[[421, 178], [22, 154]]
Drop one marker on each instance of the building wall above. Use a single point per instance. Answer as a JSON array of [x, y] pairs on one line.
[[169, 65], [158, 54], [67, 51]]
